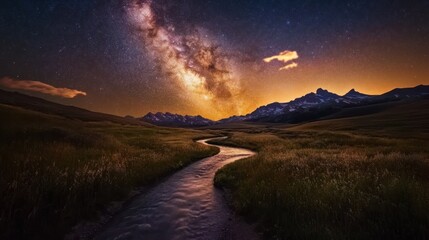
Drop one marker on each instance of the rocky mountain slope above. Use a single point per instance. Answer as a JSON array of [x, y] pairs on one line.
[[310, 107]]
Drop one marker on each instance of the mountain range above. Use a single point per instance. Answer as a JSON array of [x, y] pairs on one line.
[[170, 119], [310, 107], [318, 105]]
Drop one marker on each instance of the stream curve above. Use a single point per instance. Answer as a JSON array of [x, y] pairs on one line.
[[184, 206]]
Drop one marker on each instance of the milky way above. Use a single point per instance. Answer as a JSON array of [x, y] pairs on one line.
[[206, 58], [196, 64]]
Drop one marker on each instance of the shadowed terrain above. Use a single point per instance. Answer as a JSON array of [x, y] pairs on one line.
[[71, 112], [56, 170], [214, 120], [361, 177]]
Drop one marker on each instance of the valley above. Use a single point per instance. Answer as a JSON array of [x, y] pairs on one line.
[[214, 120], [360, 172]]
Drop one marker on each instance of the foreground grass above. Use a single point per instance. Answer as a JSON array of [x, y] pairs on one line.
[[56, 171], [331, 185]]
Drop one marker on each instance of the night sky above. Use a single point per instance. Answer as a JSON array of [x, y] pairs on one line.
[[207, 57]]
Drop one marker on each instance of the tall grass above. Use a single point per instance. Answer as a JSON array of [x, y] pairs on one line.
[[55, 172], [324, 185]]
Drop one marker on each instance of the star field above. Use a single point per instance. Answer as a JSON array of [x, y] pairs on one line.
[[92, 46]]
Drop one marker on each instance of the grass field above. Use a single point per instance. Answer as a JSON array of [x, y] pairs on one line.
[[407, 120], [351, 178], [360, 177], [56, 171]]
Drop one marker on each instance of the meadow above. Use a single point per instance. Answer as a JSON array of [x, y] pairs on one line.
[[56, 171], [334, 179]]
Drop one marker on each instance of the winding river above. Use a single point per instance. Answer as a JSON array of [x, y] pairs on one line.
[[185, 206]]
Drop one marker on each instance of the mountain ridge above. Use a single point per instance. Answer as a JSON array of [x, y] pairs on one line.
[[311, 106], [317, 105], [171, 119]]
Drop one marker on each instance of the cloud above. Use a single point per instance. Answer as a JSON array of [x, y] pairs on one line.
[[289, 66], [36, 86], [285, 57]]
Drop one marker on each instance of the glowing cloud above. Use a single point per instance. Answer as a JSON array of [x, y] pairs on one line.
[[289, 66], [203, 72], [36, 86], [285, 57]]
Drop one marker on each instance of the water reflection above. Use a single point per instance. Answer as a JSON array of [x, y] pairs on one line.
[[185, 206]]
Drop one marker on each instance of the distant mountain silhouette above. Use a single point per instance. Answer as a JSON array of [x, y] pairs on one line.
[[355, 94], [170, 119], [313, 106], [321, 104]]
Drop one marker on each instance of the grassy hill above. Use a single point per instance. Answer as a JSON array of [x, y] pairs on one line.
[[400, 119], [361, 174], [408, 119], [361, 177], [71, 112], [62, 164]]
